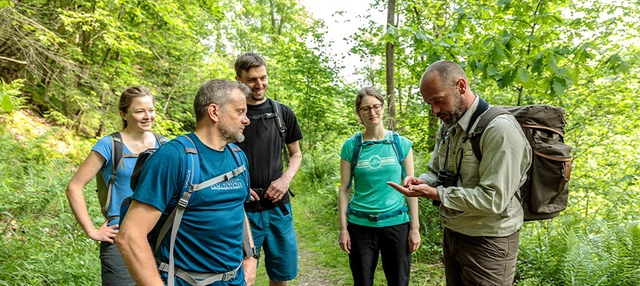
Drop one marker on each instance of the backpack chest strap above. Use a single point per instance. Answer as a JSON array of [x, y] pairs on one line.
[[221, 178], [267, 115]]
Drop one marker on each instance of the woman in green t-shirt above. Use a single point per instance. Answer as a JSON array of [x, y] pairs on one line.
[[376, 220]]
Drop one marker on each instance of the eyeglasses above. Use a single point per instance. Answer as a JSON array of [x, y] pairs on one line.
[[375, 107]]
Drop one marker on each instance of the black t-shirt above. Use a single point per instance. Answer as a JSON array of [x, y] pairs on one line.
[[263, 147]]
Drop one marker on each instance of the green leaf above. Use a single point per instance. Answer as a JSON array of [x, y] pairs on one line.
[[497, 54], [7, 105], [558, 86], [506, 79], [624, 67], [537, 66], [523, 75], [553, 63]]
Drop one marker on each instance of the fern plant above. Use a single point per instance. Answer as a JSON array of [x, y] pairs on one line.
[[579, 251]]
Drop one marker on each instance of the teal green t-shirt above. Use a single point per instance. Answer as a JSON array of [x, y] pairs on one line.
[[377, 164]]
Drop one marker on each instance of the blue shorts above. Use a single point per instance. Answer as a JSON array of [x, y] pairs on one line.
[[274, 233]]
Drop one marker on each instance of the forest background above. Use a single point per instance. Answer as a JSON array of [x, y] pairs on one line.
[[64, 63]]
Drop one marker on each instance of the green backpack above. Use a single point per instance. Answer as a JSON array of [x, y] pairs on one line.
[[117, 155], [546, 191]]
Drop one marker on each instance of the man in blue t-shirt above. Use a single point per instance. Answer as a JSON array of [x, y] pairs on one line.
[[209, 238]]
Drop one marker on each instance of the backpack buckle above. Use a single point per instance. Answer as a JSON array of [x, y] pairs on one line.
[[373, 218], [228, 275], [183, 202]]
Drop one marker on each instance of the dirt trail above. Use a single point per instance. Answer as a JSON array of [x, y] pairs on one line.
[[310, 274]]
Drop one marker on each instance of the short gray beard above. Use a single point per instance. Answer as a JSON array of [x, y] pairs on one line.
[[229, 135]]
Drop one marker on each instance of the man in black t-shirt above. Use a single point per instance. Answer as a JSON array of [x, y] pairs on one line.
[[269, 211]]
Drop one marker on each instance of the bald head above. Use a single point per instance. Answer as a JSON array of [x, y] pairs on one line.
[[445, 87], [447, 72]]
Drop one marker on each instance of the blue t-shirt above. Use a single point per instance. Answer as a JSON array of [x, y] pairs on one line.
[[121, 187], [209, 238], [377, 165]]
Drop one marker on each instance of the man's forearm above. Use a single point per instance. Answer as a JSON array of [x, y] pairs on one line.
[[295, 161], [137, 255]]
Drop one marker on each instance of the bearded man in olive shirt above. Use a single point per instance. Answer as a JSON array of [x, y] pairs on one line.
[[479, 210]]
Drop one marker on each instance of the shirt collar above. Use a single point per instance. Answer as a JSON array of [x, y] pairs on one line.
[[464, 121]]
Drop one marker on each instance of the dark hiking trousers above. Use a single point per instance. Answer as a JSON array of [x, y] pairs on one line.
[[114, 271], [391, 243], [480, 260]]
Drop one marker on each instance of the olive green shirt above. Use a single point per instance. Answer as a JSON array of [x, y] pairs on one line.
[[483, 203]]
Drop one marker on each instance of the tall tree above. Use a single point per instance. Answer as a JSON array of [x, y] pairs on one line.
[[389, 55]]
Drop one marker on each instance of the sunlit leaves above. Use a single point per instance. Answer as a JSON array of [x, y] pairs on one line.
[[9, 93]]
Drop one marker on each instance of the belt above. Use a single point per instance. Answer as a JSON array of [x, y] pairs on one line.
[[280, 204], [377, 217], [198, 278]]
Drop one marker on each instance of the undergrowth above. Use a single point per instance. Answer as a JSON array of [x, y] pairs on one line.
[[41, 242]]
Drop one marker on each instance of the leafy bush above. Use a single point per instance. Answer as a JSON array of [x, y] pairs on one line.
[[9, 95], [41, 242], [575, 251]]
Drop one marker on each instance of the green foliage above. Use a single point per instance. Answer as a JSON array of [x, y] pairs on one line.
[[42, 244], [9, 93], [575, 252]]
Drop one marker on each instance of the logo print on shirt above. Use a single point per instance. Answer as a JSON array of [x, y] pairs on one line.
[[232, 184], [376, 162]]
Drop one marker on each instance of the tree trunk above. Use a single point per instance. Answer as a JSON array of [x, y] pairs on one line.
[[391, 11]]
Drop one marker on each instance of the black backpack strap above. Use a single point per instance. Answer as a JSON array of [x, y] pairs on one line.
[[482, 107], [474, 137], [282, 128], [486, 118]]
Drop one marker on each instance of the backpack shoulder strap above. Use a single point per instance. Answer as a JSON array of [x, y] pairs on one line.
[[160, 139], [357, 147], [474, 137], [193, 169], [175, 218], [277, 110], [395, 142], [117, 152], [235, 150], [282, 127]]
